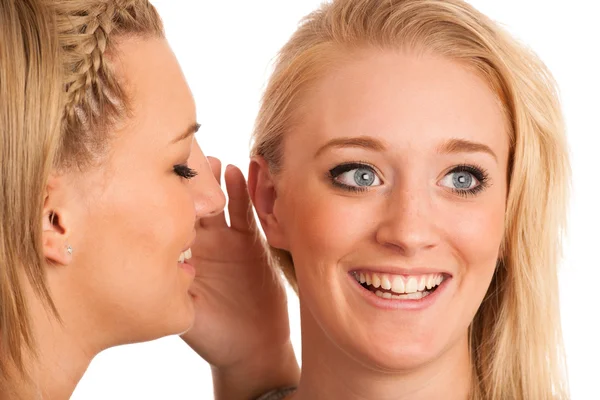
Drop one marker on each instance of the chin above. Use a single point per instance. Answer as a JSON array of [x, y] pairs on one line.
[[392, 352], [401, 359], [394, 361], [175, 321], [185, 318]]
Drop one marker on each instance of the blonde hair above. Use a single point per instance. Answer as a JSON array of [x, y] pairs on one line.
[[55, 113], [30, 98], [89, 31], [515, 337]]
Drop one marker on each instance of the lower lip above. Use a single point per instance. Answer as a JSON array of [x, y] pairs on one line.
[[400, 304], [188, 268]]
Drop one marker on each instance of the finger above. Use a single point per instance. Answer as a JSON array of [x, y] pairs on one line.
[[214, 221], [241, 216]]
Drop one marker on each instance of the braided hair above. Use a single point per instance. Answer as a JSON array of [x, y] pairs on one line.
[[95, 98]]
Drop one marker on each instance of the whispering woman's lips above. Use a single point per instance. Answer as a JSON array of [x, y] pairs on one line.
[[184, 264], [185, 255]]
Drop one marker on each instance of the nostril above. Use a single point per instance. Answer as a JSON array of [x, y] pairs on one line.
[[213, 203], [209, 206]]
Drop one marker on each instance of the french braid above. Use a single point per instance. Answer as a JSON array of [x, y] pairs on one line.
[[95, 98]]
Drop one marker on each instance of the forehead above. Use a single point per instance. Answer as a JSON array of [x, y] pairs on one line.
[[160, 100], [403, 98]]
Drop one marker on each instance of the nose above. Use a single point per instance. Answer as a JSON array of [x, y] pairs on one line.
[[208, 197], [408, 224]]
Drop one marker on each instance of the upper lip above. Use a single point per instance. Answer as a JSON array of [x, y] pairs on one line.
[[401, 270], [190, 243]]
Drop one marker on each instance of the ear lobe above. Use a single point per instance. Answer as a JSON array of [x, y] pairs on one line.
[[263, 193], [54, 230], [55, 247]]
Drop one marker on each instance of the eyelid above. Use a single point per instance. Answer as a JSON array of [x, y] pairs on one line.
[[478, 172], [349, 166], [340, 169], [184, 171]]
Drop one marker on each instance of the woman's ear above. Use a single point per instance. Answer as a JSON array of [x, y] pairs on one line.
[[55, 231], [263, 193]]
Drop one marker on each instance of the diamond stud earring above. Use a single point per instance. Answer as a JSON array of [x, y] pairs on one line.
[[69, 250]]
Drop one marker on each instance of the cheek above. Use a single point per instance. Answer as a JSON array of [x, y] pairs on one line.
[[138, 232], [158, 223], [322, 225], [153, 220], [475, 237], [478, 239], [475, 228]]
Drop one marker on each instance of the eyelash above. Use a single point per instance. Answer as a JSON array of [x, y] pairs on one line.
[[478, 172], [184, 171], [335, 172]]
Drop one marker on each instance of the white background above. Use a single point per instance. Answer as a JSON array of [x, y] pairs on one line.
[[225, 49]]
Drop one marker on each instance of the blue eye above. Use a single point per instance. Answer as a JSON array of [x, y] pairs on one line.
[[354, 176], [184, 171], [466, 180]]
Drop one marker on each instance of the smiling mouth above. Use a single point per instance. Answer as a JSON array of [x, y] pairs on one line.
[[399, 287], [185, 256]]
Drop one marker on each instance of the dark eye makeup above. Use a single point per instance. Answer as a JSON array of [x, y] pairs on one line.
[[467, 172], [364, 176], [184, 171], [463, 177]]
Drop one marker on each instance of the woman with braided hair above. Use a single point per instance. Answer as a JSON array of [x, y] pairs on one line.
[[112, 225]]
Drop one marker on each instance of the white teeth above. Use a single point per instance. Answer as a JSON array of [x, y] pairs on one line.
[[411, 285], [186, 255], [399, 284], [416, 295], [422, 284], [376, 282], [408, 296], [385, 283]]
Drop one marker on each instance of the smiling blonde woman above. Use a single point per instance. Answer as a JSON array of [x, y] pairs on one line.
[[410, 172]]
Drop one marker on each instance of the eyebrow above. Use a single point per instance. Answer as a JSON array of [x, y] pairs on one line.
[[363, 142], [188, 132], [465, 146], [449, 147]]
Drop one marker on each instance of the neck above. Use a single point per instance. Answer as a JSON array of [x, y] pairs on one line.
[[62, 360], [330, 373], [63, 352]]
